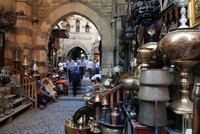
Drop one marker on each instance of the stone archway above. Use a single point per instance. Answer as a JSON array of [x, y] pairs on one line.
[[42, 34]]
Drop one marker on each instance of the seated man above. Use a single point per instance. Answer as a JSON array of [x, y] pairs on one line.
[[60, 81]]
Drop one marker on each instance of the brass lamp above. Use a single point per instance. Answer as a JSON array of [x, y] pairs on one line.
[[25, 64]]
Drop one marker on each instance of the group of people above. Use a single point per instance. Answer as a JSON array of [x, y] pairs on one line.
[[83, 65], [47, 91]]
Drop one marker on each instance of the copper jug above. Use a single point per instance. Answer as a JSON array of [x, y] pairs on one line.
[[114, 116], [97, 97], [104, 101]]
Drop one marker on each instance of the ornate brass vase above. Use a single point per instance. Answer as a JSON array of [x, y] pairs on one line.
[[182, 47]]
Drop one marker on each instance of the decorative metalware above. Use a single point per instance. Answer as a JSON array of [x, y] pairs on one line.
[[16, 49], [182, 4], [25, 64], [131, 83], [35, 68], [152, 88], [182, 47], [115, 116], [104, 101], [97, 97], [146, 115], [110, 129]]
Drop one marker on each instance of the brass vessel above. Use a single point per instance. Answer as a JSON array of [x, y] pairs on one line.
[[146, 115], [25, 64], [182, 47], [154, 85], [130, 83], [181, 44]]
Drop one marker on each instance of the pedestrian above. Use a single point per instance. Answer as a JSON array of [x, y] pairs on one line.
[[76, 80], [70, 67], [65, 85], [65, 67], [60, 65], [82, 66], [90, 67], [97, 67]]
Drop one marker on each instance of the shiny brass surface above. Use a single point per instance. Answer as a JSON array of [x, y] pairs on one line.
[[73, 130], [181, 44], [182, 105], [131, 83], [26, 64], [154, 77], [144, 55], [154, 85], [153, 46]]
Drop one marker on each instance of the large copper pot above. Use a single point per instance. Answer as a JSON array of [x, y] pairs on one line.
[[130, 83], [146, 115], [181, 44], [110, 129], [154, 85]]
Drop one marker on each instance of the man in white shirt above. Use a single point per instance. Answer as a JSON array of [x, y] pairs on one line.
[[70, 66], [60, 65], [82, 66], [90, 67]]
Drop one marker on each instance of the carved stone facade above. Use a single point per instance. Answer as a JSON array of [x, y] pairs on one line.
[[37, 18], [87, 40]]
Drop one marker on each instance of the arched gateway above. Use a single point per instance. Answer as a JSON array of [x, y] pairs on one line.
[[43, 33]]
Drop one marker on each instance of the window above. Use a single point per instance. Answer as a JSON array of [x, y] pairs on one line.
[[77, 25], [87, 28], [68, 27]]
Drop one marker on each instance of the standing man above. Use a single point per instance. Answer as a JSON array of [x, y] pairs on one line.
[[76, 79], [82, 66], [70, 67], [97, 67], [90, 67], [65, 67], [60, 65]]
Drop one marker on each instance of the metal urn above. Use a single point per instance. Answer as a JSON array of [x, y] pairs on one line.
[[146, 115], [35, 71], [154, 85], [131, 83], [153, 90], [182, 47]]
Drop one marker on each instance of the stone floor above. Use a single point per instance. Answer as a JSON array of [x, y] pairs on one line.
[[47, 121]]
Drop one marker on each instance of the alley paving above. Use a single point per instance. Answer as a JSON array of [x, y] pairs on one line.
[[47, 121]]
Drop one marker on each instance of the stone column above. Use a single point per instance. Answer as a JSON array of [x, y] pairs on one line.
[[107, 61], [23, 27]]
